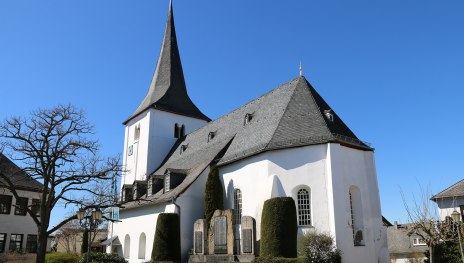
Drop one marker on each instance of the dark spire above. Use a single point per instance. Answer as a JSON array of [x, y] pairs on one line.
[[167, 89]]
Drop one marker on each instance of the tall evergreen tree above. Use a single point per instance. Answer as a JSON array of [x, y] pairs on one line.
[[213, 194]]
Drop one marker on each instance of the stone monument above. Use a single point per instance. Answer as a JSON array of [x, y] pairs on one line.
[[200, 237], [248, 235], [221, 233]]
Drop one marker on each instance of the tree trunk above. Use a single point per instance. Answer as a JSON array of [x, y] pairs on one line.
[[431, 254], [42, 245]]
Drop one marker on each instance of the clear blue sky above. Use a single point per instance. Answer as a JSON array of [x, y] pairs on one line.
[[393, 70]]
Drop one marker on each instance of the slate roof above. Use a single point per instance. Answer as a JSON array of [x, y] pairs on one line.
[[455, 190], [20, 179], [400, 242], [292, 115], [167, 90]]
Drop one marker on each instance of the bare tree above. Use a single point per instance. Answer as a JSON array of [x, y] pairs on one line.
[[69, 235], [55, 147], [426, 223]]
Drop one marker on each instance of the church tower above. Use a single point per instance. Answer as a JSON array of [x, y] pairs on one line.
[[165, 115]]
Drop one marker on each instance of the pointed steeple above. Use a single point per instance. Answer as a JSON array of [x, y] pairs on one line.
[[167, 90]]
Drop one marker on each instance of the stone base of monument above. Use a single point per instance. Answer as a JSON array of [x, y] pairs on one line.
[[245, 258], [211, 258]]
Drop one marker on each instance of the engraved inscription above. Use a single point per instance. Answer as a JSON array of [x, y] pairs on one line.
[[247, 237], [198, 242], [220, 235]]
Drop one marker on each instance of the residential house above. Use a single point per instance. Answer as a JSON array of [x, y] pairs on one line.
[[18, 231]]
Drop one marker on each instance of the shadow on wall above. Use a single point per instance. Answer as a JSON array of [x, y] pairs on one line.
[[297, 157]]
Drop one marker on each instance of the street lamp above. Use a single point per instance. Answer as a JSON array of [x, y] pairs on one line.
[[90, 222], [456, 216]]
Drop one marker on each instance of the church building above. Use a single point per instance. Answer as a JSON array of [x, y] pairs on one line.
[[287, 143]]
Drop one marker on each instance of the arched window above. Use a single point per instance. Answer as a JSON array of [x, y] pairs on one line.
[[356, 216], [237, 206], [304, 207], [142, 245], [127, 246]]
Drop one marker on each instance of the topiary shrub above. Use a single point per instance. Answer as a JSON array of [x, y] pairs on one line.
[[279, 228], [213, 194], [97, 257], [319, 248], [58, 257], [166, 246]]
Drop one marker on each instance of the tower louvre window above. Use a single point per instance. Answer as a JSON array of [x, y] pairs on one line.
[[179, 130], [137, 132]]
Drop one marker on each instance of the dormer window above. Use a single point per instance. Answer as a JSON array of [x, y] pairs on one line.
[[183, 148], [329, 115], [211, 135], [137, 132], [167, 183], [179, 130], [248, 118]]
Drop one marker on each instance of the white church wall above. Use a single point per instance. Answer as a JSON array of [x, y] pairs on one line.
[[134, 223], [351, 167], [280, 173], [328, 173], [135, 150], [143, 220], [155, 141], [192, 203]]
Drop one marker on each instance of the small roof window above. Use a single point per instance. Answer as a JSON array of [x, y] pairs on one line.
[[183, 148], [211, 135], [248, 118], [329, 115]]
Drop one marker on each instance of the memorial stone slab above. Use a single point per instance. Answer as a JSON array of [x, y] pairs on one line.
[[221, 234], [199, 237], [248, 235]]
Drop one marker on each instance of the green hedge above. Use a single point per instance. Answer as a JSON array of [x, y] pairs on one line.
[[213, 194], [279, 228], [97, 257], [58, 257], [166, 246], [262, 259]]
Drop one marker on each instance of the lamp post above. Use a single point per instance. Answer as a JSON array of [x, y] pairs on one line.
[[91, 222], [457, 219]]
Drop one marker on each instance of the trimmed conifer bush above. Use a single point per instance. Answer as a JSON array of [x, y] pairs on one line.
[[213, 194], [59, 257], [279, 228], [166, 246]]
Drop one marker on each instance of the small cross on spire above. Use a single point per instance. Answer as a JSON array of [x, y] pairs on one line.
[[301, 70]]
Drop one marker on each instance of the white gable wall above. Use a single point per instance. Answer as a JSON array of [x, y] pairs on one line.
[[448, 205], [155, 141]]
